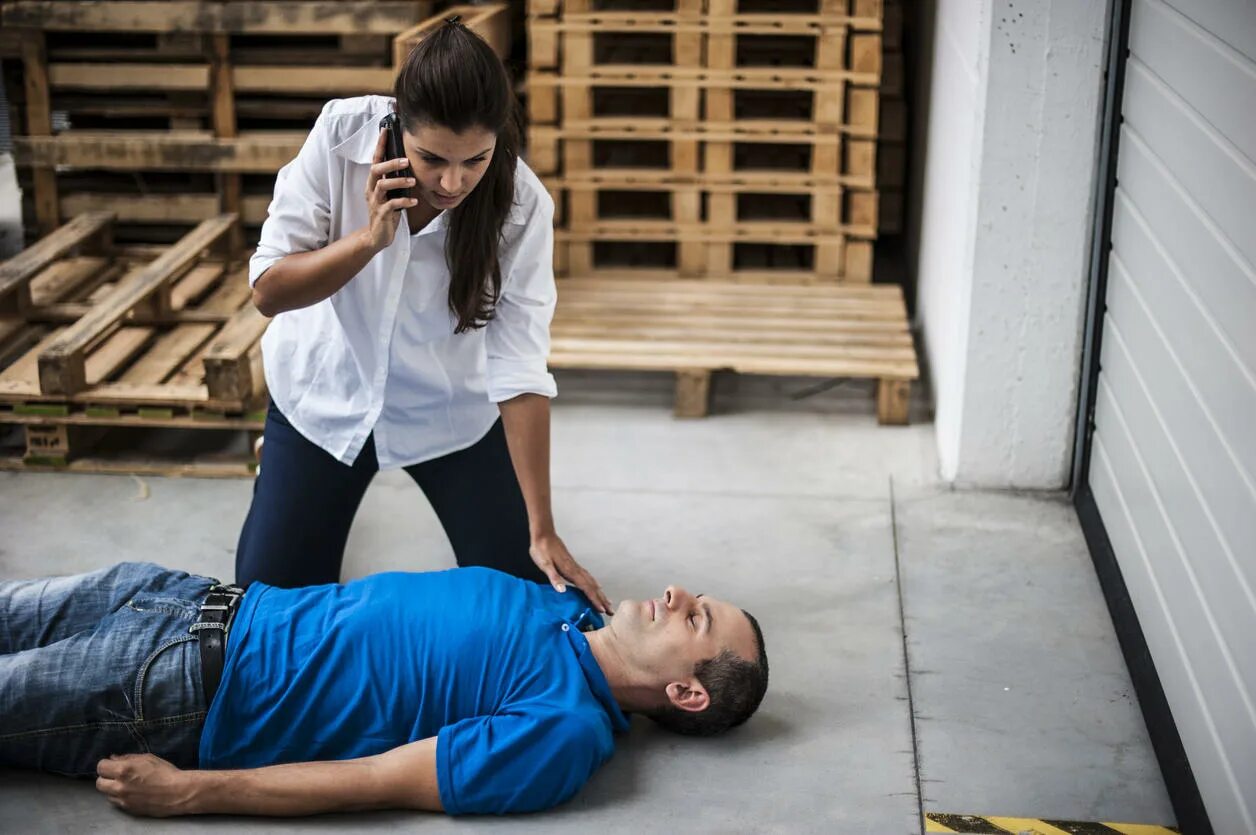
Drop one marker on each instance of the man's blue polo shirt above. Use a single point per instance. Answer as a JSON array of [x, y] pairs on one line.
[[494, 666]]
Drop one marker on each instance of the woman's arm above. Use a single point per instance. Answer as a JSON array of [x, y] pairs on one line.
[[403, 778], [526, 419], [305, 278]]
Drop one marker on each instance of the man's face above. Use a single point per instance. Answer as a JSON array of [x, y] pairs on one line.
[[665, 637], [448, 165]]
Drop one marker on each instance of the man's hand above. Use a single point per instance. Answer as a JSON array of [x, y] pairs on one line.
[[144, 784], [551, 556]]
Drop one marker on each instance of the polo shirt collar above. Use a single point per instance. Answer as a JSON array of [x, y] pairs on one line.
[[593, 671]]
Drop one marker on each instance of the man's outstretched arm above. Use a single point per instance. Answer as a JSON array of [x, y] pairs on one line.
[[403, 778]]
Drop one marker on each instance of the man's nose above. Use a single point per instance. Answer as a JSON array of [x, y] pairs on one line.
[[675, 597]]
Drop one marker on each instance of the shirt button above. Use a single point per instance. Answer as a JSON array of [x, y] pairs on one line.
[[566, 628]]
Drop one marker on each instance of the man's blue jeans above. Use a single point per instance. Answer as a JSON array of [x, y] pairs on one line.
[[99, 664]]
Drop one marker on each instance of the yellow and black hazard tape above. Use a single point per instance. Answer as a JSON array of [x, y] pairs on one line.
[[999, 825]]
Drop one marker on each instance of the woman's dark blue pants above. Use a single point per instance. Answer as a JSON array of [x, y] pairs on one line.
[[304, 501]]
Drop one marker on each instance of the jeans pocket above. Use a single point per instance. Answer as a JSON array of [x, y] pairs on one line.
[[168, 685]]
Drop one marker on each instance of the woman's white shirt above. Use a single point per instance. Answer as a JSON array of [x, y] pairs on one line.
[[381, 353]]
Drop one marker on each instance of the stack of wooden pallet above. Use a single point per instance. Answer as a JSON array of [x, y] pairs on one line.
[[714, 167], [717, 138], [99, 341], [169, 113]]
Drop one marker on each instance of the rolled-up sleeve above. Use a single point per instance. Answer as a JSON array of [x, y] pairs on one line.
[[299, 217], [517, 339]]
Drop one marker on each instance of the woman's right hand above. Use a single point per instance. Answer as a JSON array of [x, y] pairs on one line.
[[384, 210]]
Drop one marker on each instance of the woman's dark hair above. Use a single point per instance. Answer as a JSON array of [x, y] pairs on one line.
[[736, 687], [454, 79]]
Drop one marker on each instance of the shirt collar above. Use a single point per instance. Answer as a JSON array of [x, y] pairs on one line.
[[593, 671], [360, 146]]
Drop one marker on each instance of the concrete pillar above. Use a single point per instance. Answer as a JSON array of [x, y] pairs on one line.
[[1013, 96]]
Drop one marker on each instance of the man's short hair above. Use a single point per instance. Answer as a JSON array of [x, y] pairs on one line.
[[736, 687]]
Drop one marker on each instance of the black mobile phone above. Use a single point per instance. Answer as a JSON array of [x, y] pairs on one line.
[[395, 149]]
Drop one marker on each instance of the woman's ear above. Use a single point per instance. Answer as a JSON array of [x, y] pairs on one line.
[[692, 697]]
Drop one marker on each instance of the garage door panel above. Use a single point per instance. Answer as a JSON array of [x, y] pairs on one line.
[[1219, 83], [1182, 674], [1217, 176], [1158, 412], [1230, 21], [1173, 466], [1216, 272], [1208, 359]]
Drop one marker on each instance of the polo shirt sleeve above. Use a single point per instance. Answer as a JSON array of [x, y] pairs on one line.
[[517, 762], [517, 339], [299, 217]]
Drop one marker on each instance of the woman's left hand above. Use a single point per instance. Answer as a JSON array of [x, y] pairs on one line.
[[553, 558]]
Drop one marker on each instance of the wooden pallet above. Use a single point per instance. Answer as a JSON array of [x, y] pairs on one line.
[[130, 359], [168, 327], [694, 328], [212, 105], [205, 446], [767, 35]]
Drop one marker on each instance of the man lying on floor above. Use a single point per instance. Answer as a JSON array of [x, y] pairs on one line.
[[464, 691]]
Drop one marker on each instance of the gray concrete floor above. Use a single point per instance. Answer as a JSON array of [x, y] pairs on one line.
[[790, 502]]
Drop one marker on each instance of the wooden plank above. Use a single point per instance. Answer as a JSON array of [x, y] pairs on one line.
[[311, 80], [693, 393], [253, 152], [140, 465], [750, 363], [62, 368], [491, 21], [233, 292], [113, 76], [17, 272], [194, 284], [726, 333], [742, 78], [67, 313], [893, 401], [715, 290], [167, 354], [115, 351], [164, 208], [70, 276], [316, 17], [864, 225], [39, 123], [228, 369], [678, 350], [729, 305], [22, 377]]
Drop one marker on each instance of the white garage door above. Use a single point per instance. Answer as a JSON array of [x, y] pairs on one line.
[[1173, 461]]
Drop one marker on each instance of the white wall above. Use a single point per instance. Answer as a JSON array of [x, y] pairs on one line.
[[1013, 126]]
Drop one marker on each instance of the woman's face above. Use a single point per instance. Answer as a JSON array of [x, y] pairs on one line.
[[448, 165]]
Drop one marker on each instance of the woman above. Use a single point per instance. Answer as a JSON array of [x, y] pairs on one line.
[[410, 331]]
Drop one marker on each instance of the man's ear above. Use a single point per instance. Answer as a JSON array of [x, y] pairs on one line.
[[691, 696]]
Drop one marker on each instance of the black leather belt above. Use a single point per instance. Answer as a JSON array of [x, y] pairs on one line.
[[211, 630]]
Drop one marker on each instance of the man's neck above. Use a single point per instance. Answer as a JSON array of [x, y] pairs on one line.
[[628, 691]]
